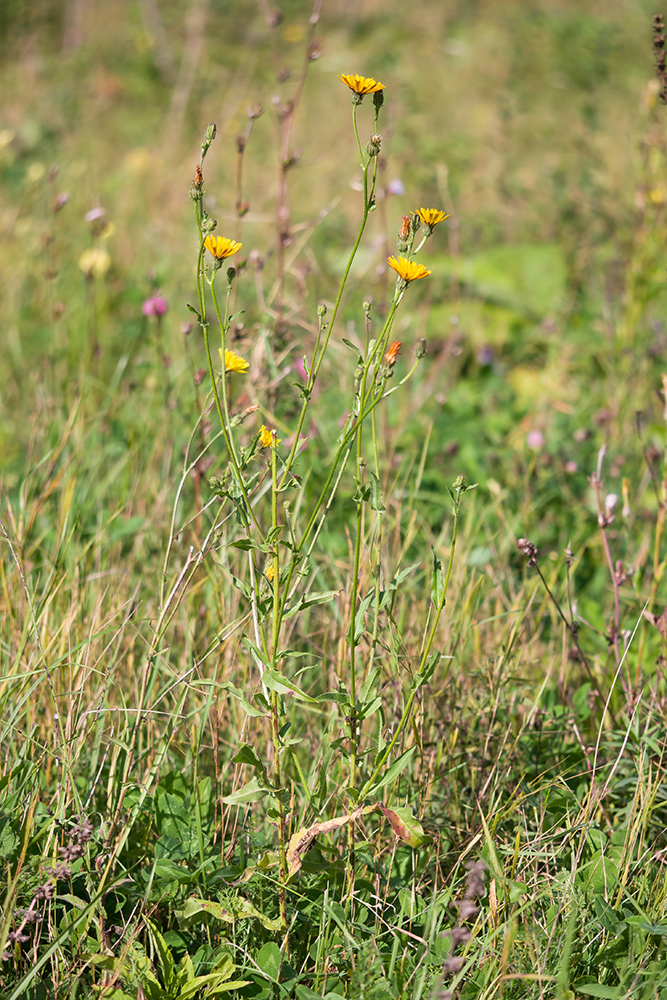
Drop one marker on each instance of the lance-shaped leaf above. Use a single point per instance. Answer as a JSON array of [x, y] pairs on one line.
[[234, 909], [376, 494], [252, 791]]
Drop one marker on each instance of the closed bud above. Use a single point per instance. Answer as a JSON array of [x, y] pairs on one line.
[[374, 145], [367, 307], [378, 99], [208, 224], [231, 274], [321, 310], [420, 348]]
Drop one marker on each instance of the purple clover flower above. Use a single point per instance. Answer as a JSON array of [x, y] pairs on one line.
[[154, 306]]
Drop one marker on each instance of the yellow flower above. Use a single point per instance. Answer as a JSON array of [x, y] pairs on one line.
[[407, 269], [267, 437], [269, 572], [233, 363], [221, 247], [95, 262], [430, 216], [361, 84]]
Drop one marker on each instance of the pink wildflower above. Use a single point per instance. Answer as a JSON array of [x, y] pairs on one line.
[[154, 306]]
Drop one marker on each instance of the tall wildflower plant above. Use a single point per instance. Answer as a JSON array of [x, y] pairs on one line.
[[261, 480]]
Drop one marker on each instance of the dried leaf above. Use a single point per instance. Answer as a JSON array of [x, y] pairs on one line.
[[660, 622], [301, 840]]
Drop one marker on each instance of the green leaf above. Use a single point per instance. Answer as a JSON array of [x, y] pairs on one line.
[[339, 697], [437, 581], [305, 993], [376, 493], [369, 709], [348, 343], [164, 955], [213, 984], [310, 600], [269, 960], [282, 685], [598, 990], [246, 544], [242, 587], [392, 771], [359, 620], [246, 755], [240, 697], [234, 909], [369, 685], [644, 924], [427, 671], [184, 974], [257, 653], [304, 391], [252, 791]]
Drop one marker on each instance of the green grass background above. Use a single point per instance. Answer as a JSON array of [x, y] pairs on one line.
[[536, 125]]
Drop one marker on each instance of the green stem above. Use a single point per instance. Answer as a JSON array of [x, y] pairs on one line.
[[317, 361], [223, 323], [275, 734], [223, 414]]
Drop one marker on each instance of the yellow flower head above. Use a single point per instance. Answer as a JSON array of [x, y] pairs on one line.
[[430, 216], [221, 247], [269, 571], [267, 437], [407, 269], [95, 262], [233, 363], [361, 84]]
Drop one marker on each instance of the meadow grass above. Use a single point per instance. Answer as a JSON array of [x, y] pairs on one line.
[[413, 748]]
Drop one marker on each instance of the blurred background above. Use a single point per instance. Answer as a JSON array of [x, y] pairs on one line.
[[536, 125]]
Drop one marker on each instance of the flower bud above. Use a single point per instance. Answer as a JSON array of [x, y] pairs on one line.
[[209, 136], [378, 99], [321, 310], [374, 145], [208, 223], [420, 348]]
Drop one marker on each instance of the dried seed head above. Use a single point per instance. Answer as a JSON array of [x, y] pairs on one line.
[[529, 550]]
